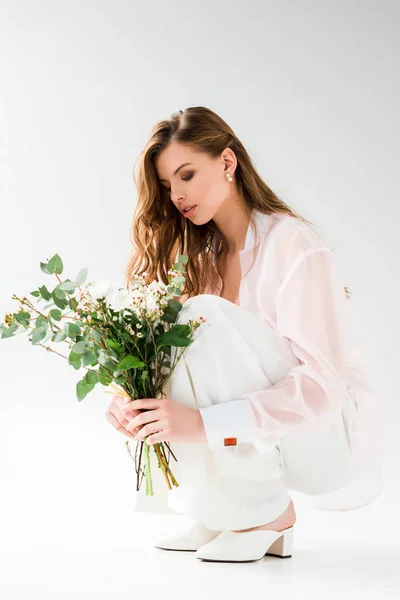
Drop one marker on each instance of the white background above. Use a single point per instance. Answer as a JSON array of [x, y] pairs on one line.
[[312, 90]]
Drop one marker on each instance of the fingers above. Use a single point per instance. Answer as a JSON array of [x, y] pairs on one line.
[[117, 410], [156, 438], [120, 400], [116, 418], [149, 403], [121, 413], [142, 418], [156, 428], [115, 423], [130, 413]]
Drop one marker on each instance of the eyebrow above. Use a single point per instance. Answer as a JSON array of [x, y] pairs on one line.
[[178, 169]]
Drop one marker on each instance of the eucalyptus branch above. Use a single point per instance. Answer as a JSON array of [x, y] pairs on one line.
[[111, 338], [30, 305], [66, 358]]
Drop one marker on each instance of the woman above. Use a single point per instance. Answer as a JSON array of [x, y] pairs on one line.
[[273, 395]]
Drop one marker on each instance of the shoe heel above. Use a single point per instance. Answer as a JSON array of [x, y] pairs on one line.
[[283, 546]]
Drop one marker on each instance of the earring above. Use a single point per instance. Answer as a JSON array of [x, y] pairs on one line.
[[229, 177]]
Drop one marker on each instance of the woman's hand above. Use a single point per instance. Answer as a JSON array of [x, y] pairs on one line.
[[119, 419], [165, 421]]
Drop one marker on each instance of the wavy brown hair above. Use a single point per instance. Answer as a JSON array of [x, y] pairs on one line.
[[161, 233]]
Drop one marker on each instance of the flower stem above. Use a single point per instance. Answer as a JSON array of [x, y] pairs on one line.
[[149, 483], [164, 468]]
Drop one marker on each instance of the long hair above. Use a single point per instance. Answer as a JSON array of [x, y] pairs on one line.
[[160, 232]]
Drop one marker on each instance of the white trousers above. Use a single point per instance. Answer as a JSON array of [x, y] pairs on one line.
[[241, 486]]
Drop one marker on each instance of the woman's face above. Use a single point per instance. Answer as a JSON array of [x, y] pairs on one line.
[[202, 182]]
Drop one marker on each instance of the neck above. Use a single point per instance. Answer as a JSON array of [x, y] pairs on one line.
[[232, 221]]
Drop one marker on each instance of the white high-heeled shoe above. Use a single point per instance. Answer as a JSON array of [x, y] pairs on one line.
[[190, 539], [230, 546]]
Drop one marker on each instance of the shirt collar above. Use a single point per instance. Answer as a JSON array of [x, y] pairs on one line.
[[262, 222]]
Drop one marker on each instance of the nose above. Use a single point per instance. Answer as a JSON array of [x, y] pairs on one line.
[[177, 198]]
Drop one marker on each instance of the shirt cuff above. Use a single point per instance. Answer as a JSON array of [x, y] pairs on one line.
[[234, 419]]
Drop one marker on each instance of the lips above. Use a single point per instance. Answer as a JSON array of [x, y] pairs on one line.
[[187, 208]]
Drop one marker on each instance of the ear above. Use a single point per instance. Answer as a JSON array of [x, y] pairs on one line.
[[229, 161]]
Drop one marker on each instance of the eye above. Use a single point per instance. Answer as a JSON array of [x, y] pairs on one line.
[[187, 178]]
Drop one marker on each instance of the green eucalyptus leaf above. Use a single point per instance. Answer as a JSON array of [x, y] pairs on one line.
[[102, 358], [175, 305], [7, 332], [174, 288], [112, 354], [59, 292], [55, 265], [58, 301], [42, 322], [105, 361], [168, 316], [81, 391], [89, 358], [103, 372], [104, 377], [48, 335], [179, 267], [79, 347], [55, 314], [58, 337], [96, 335], [44, 292], [44, 267], [35, 293], [81, 277], [74, 360], [172, 310], [72, 330], [22, 316], [83, 388], [73, 304], [48, 305], [38, 334], [109, 364], [68, 286], [183, 259], [179, 280], [91, 377]]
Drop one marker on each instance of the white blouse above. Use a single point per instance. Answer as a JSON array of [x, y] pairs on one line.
[[296, 287]]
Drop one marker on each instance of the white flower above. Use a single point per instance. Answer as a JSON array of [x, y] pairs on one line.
[[101, 289], [136, 295], [119, 300], [151, 303]]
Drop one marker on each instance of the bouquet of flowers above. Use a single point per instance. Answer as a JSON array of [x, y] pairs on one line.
[[123, 338]]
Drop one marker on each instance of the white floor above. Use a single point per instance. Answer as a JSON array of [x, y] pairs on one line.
[[355, 554]]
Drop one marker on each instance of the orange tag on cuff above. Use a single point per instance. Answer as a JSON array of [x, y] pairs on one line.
[[230, 441]]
